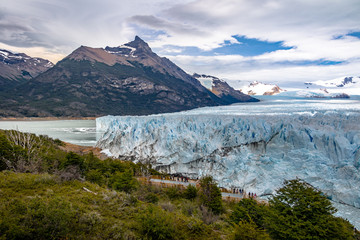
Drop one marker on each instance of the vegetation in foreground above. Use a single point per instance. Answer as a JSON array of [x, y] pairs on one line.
[[46, 193]]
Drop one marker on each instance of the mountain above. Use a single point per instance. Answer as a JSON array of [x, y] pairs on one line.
[[258, 88], [126, 80], [342, 85], [16, 68], [221, 89]]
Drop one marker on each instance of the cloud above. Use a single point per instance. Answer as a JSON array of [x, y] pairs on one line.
[[311, 30], [309, 27], [65, 25], [236, 67], [163, 25]]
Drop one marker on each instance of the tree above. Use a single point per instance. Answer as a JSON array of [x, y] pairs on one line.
[[250, 211], [249, 231], [155, 223], [190, 192], [210, 194], [123, 181], [73, 159], [299, 211]]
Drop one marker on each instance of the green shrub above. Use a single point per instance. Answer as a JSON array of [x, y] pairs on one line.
[[190, 192], [73, 159], [154, 223], [249, 231], [95, 176], [38, 218], [250, 211], [173, 193], [151, 198], [123, 181], [210, 194]]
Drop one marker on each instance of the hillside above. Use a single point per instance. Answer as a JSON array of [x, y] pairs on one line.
[[46, 193]]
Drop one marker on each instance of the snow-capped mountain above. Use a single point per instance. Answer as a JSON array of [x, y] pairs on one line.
[[17, 67], [258, 88], [343, 85], [222, 89]]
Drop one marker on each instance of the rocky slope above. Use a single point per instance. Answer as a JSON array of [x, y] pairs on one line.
[[16, 68], [125, 80], [221, 89]]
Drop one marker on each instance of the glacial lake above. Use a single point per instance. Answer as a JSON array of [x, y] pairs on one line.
[[80, 132]]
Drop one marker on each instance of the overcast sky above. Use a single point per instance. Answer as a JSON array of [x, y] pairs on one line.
[[274, 41]]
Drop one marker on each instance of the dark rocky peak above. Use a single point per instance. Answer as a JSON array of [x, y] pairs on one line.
[[347, 80], [138, 42], [140, 45]]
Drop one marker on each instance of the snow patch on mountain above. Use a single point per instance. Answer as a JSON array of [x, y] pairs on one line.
[[4, 53], [207, 80], [258, 88], [122, 50]]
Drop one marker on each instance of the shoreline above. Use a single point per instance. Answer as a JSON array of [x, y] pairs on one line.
[[46, 118], [79, 149]]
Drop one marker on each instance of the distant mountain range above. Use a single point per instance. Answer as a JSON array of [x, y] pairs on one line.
[[126, 80], [343, 85], [17, 68]]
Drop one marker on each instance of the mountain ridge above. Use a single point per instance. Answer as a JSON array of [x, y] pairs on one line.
[[17, 68]]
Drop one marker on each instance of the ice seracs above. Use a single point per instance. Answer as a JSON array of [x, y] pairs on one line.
[[254, 151]]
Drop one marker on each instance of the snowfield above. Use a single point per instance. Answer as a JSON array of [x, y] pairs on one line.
[[252, 146]]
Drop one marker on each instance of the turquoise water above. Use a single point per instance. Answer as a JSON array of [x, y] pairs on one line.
[[80, 132]]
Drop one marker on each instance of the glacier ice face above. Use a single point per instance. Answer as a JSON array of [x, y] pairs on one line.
[[255, 151]]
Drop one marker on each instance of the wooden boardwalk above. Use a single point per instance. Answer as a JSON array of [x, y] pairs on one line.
[[226, 193]]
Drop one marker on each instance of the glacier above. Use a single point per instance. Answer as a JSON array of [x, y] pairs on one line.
[[252, 146]]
